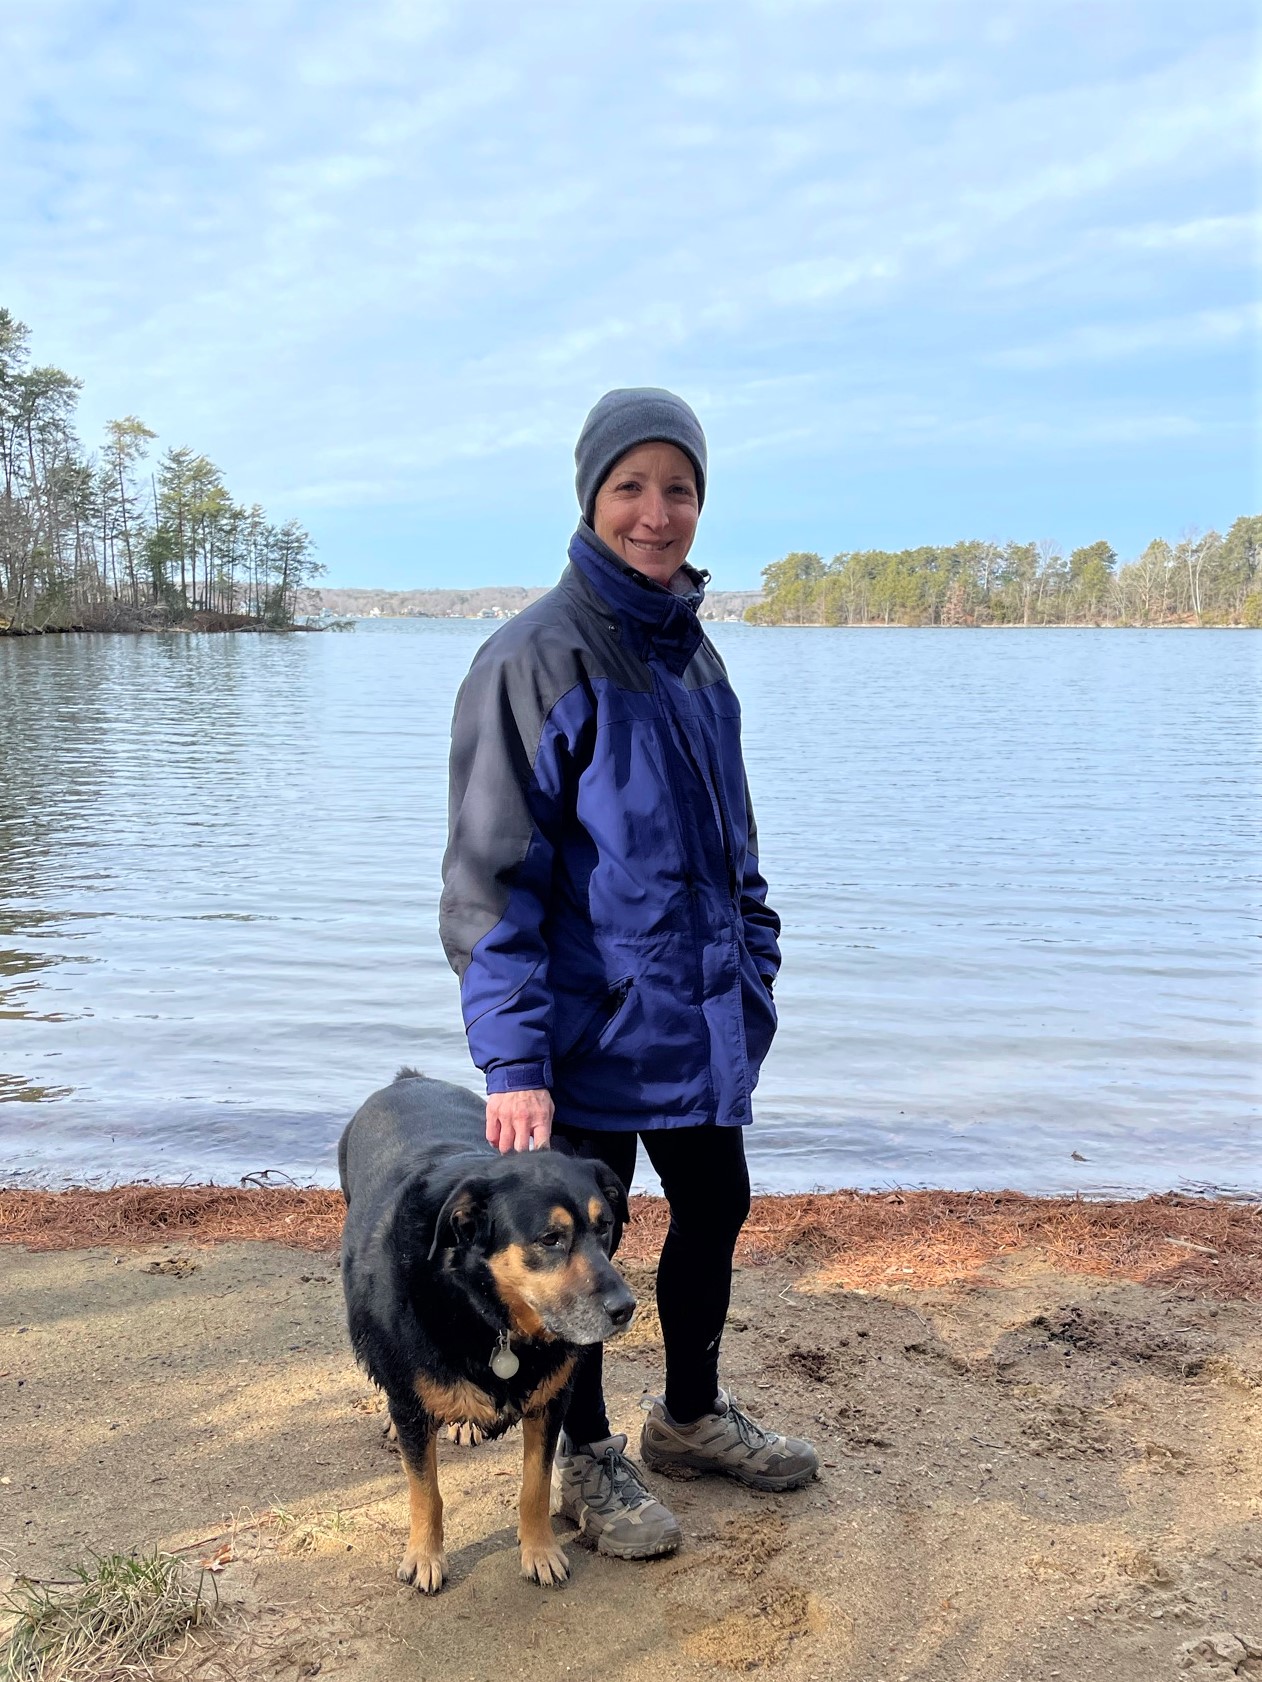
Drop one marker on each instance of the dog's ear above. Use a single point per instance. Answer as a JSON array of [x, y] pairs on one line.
[[462, 1218], [615, 1193]]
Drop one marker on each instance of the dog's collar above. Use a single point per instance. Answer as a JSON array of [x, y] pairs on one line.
[[503, 1362]]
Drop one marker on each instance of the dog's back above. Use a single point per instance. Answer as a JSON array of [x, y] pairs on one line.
[[413, 1123]]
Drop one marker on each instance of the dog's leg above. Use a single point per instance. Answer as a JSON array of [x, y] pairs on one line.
[[424, 1562], [542, 1559]]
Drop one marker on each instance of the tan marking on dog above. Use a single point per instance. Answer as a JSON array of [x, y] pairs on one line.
[[595, 1210], [542, 1559], [539, 1398], [459, 1404], [527, 1293], [423, 1560], [561, 1217], [517, 1284]]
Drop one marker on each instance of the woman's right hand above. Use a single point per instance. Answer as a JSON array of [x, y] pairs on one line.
[[516, 1120]]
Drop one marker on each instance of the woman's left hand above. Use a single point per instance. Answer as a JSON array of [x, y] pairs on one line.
[[517, 1120]]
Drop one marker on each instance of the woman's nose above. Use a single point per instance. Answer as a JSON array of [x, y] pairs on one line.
[[653, 510]]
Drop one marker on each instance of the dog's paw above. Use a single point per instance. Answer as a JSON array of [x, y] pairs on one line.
[[467, 1436], [545, 1563], [426, 1572], [390, 1435]]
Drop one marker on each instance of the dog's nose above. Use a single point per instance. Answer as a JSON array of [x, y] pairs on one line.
[[621, 1312]]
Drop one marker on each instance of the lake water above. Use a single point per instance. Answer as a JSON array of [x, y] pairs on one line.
[[1016, 871]]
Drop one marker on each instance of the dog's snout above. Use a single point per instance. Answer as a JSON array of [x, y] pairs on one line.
[[618, 1303]]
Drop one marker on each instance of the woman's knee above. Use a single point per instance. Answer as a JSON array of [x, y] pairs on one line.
[[711, 1214], [706, 1182]]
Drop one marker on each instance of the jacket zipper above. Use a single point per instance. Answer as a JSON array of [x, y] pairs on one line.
[[597, 1019], [690, 885], [712, 787]]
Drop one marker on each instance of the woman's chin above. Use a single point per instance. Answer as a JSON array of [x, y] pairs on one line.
[[657, 566]]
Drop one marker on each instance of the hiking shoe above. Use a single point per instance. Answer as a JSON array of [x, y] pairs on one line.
[[726, 1441], [603, 1493]]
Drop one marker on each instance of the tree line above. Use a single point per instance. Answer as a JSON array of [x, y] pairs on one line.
[[109, 540], [1202, 579]]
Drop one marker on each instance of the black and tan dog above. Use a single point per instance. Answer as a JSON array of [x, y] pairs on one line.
[[470, 1280]]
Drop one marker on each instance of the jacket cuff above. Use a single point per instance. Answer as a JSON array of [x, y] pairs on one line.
[[519, 1077]]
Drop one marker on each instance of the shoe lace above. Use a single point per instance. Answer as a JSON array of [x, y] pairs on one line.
[[748, 1430], [623, 1477]]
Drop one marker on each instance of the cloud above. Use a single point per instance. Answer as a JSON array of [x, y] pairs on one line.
[[1202, 234], [359, 254], [1106, 342]]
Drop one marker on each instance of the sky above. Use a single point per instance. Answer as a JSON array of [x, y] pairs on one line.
[[926, 269]]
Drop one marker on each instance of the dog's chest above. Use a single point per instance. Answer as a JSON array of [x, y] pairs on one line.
[[464, 1402]]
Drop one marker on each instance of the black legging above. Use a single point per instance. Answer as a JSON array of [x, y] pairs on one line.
[[703, 1173]]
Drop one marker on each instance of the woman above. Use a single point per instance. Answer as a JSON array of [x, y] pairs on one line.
[[603, 908]]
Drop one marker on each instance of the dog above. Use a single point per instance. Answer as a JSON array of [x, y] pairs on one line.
[[471, 1281]]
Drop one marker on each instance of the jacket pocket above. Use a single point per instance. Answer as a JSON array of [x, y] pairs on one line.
[[761, 1018], [590, 1024]]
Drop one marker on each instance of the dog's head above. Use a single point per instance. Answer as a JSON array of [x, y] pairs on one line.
[[537, 1228]]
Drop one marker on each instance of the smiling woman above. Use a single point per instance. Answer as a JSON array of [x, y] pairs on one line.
[[603, 907], [646, 511], [641, 473]]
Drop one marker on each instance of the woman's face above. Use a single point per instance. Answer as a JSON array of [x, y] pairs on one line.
[[646, 510]]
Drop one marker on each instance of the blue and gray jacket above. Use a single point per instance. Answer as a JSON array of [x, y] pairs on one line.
[[601, 901]]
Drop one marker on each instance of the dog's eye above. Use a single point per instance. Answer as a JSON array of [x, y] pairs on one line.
[[552, 1240]]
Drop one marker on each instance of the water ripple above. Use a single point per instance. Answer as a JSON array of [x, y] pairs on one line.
[[1017, 872]]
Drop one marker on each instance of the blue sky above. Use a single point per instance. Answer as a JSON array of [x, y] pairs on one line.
[[926, 269]]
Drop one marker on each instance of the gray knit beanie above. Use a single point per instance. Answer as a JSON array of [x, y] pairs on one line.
[[623, 419]]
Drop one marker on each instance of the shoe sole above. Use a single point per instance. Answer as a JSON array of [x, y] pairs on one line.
[[694, 1466], [601, 1543]]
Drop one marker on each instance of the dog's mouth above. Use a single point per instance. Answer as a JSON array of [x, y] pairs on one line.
[[588, 1320]]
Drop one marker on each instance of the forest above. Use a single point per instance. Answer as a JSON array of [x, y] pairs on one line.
[[113, 540], [1203, 578]]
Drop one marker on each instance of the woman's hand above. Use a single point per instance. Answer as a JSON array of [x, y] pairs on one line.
[[515, 1120]]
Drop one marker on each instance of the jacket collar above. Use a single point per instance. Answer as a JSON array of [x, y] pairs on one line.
[[650, 617]]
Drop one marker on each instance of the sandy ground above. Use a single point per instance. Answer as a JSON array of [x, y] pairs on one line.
[[1037, 1476]]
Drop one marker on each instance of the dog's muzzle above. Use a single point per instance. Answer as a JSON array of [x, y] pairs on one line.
[[598, 1314]]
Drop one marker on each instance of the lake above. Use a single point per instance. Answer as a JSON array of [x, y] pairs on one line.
[[1017, 871]]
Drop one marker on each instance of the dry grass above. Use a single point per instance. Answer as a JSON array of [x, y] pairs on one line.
[[119, 1614], [76, 1220], [861, 1239]]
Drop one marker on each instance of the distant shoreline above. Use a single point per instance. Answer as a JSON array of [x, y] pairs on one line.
[[16, 632], [348, 622], [876, 625]]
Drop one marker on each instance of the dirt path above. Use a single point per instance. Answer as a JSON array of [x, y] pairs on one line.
[[1045, 1476]]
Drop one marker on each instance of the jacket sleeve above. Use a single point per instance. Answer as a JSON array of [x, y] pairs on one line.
[[512, 760], [762, 925]]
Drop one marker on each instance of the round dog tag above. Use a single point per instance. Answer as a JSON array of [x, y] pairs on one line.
[[504, 1363]]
